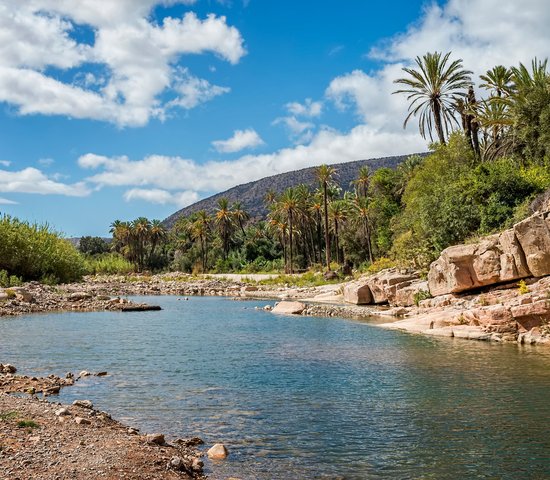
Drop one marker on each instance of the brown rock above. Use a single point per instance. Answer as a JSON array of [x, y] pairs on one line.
[[533, 235], [405, 293], [218, 452], [155, 438], [382, 282], [357, 293], [531, 314], [289, 308], [82, 421]]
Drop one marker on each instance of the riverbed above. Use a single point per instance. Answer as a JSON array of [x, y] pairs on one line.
[[302, 397]]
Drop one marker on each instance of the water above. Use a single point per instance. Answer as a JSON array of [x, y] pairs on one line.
[[299, 397]]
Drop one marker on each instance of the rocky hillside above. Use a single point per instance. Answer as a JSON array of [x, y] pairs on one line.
[[251, 194]]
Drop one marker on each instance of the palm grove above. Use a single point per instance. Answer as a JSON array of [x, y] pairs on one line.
[[490, 156]]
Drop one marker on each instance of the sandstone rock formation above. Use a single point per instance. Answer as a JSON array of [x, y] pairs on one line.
[[289, 308], [519, 252]]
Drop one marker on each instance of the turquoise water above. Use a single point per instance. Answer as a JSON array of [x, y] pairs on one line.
[[299, 397]]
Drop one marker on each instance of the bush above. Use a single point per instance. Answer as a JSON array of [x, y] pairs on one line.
[[7, 280], [110, 264], [33, 252]]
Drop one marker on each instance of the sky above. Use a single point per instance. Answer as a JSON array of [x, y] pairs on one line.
[[115, 109]]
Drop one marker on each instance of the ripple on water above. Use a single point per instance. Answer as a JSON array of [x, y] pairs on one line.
[[303, 397]]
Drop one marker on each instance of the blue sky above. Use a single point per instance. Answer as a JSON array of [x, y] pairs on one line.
[[123, 108]]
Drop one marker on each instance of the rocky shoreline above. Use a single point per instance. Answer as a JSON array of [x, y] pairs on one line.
[[45, 440]]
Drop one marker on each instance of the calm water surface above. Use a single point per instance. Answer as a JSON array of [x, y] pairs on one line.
[[303, 398]]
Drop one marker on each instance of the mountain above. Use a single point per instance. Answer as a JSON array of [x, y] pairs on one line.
[[251, 195]]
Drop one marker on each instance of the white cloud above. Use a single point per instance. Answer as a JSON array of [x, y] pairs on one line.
[[162, 197], [5, 201], [32, 180], [5, 163], [143, 59], [46, 162], [307, 109], [241, 140], [193, 91], [177, 174]]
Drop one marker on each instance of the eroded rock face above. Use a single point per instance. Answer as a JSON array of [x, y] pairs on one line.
[[520, 252], [405, 295], [357, 293], [384, 284]]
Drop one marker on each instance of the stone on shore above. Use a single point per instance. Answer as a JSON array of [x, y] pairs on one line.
[[82, 421], [289, 308], [218, 452], [155, 438], [357, 293], [7, 368], [84, 404]]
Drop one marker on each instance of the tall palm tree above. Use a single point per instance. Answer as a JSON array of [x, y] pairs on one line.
[[224, 222], [289, 206], [200, 230], [140, 231], [338, 213], [325, 175], [240, 215], [362, 181], [498, 80], [433, 90], [157, 234]]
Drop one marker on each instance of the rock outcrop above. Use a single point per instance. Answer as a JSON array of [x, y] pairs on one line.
[[520, 252], [289, 308], [388, 286]]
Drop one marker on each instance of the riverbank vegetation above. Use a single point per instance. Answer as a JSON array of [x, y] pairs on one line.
[[491, 158]]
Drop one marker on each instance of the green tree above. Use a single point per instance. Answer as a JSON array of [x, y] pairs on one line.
[[433, 90], [325, 175]]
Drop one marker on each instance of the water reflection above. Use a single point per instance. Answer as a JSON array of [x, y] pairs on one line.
[[303, 397]]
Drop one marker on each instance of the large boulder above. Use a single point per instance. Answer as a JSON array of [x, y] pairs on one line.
[[289, 308], [516, 253], [406, 294], [384, 284], [357, 293], [533, 235]]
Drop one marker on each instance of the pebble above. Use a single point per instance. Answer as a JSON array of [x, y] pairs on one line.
[[83, 404], [82, 421], [218, 452], [62, 411]]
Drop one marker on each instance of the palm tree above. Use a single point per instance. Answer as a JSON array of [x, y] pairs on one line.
[[157, 234], [140, 231], [289, 206], [200, 230], [224, 222], [338, 213], [240, 215], [362, 181], [324, 175], [433, 91], [498, 80]]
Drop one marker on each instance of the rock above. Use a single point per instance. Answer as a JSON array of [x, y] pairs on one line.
[[7, 368], [83, 404], [384, 284], [177, 463], [22, 294], [76, 296], [197, 464], [101, 374], [155, 438], [268, 308], [84, 373], [3, 296], [357, 293], [217, 452], [133, 431], [190, 442], [289, 308], [61, 412], [533, 235], [516, 253], [82, 421], [406, 293], [52, 390], [249, 288], [531, 314]]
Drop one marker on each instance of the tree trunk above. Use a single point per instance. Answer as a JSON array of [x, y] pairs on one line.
[[290, 227], [436, 109], [327, 237]]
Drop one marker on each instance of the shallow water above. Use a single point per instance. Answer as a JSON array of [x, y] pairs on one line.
[[300, 397]]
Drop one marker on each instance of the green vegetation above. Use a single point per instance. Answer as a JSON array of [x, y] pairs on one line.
[[108, 264], [522, 287], [5, 416], [27, 424], [491, 160], [7, 280], [36, 252]]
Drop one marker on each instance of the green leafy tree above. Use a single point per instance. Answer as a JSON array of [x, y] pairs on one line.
[[433, 89]]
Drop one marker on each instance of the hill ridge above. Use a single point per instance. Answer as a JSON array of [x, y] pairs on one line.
[[251, 194]]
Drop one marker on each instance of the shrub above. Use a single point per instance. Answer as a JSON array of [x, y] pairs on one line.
[[111, 263], [381, 264], [522, 287], [421, 295], [32, 251]]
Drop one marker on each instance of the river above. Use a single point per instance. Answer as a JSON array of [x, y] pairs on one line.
[[302, 397]]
